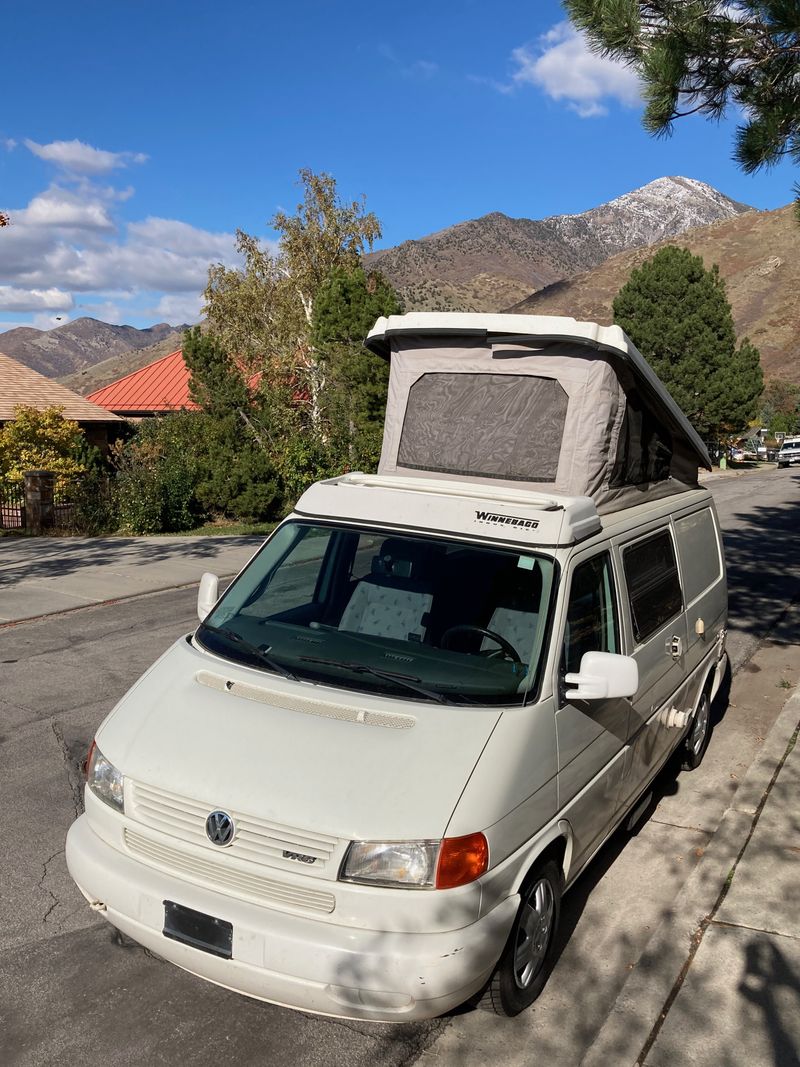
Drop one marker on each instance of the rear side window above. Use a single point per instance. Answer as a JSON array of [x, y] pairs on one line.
[[697, 544], [654, 588]]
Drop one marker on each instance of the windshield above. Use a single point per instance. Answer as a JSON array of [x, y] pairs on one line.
[[431, 619]]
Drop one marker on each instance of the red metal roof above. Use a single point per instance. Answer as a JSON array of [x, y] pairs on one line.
[[160, 386]]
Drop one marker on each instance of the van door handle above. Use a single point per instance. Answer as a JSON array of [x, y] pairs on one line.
[[675, 647]]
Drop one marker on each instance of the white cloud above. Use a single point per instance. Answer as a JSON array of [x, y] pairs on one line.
[[506, 88], [78, 157], [63, 208], [13, 298], [71, 239], [178, 308], [106, 310], [43, 321], [9, 144], [179, 236], [416, 69], [564, 67]]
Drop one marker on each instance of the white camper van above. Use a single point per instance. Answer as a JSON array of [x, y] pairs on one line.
[[363, 784]]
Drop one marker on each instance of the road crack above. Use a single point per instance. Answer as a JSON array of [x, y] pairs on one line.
[[73, 774], [45, 889]]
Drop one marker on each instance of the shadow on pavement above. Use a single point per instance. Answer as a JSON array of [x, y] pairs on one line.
[[54, 558]]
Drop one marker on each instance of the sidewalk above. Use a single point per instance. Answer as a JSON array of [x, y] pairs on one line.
[[719, 982], [43, 575]]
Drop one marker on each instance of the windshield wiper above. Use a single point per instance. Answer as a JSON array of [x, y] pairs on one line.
[[260, 654], [389, 676]]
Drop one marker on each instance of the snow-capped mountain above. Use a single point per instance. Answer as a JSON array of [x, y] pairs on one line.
[[489, 263]]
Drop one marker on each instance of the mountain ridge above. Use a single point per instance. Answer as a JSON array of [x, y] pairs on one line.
[[756, 254], [487, 263], [80, 344]]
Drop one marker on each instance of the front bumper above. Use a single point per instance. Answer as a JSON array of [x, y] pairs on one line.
[[290, 960]]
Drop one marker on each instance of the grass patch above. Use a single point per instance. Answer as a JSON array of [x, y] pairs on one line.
[[224, 528]]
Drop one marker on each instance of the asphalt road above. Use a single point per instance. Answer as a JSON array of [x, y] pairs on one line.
[[71, 991]]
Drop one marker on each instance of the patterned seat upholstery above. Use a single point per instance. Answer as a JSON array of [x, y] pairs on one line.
[[394, 601], [518, 628], [517, 597]]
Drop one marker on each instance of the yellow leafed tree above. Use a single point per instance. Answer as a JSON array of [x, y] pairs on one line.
[[40, 439]]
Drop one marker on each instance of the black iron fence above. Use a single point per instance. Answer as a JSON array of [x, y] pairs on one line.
[[63, 508], [42, 506], [12, 506]]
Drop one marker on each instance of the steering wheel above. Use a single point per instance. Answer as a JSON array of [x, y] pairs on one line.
[[465, 627]]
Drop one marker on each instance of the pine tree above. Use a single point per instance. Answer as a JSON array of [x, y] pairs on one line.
[[704, 56], [346, 309], [677, 314]]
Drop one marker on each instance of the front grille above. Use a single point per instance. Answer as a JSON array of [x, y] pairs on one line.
[[256, 840], [227, 878]]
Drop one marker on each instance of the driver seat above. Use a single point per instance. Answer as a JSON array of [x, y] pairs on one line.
[[515, 615]]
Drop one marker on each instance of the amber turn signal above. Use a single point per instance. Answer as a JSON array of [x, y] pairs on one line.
[[461, 860]]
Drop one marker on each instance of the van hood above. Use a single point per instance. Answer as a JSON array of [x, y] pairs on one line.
[[352, 765]]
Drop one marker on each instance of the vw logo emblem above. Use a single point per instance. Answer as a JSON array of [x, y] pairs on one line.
[[220, 828]]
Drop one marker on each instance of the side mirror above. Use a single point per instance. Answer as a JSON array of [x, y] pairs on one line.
[[603, 675], [207, 594]]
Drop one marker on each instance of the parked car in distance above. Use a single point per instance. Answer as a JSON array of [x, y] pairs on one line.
[[790, 452]]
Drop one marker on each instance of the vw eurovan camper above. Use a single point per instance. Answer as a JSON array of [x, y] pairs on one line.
[[363, 784]]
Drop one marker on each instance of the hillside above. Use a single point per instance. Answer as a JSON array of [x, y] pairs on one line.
[[79, 344], [488, 263], [109, 370], [758, 254]]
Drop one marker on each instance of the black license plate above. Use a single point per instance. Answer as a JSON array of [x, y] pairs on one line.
[[198, 930]]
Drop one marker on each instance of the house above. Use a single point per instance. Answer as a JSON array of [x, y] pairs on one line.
[[158, 388], [20, 385]]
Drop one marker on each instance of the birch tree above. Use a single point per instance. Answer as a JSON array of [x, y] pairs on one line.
[[263, 312]]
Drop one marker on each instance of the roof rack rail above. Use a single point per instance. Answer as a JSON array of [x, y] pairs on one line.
[[460, 509]]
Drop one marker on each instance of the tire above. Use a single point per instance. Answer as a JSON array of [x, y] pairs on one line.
[[696, 741], [782, 465], [529, 953]]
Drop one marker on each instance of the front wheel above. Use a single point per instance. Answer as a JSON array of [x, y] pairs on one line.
[[696, 741], [529, 954]]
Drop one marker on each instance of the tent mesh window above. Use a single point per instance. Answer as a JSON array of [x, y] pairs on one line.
[[644, 453], [506, 426]]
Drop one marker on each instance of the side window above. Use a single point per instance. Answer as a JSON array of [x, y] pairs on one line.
[[654, 588], [294, 582], [591, 613], [699, 551]]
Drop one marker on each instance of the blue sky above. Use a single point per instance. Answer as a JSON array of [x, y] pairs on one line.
[[135, 137]]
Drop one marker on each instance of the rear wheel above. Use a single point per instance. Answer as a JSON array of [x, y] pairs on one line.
[[696, 741], [528, 956]]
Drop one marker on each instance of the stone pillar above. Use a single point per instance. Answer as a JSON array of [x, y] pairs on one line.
[[39, 511]]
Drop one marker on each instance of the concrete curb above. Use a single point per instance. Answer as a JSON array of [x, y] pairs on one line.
[[113, 600], [644, 1001]]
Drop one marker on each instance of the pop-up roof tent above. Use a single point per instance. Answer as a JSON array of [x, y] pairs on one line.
[[535, 402]]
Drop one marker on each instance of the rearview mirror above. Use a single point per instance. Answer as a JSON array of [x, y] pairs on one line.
[[603, 675], [207, 594]]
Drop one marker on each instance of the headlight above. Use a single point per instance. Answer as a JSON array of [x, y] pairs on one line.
[[401, 863], [104, 780], [442, 864]]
